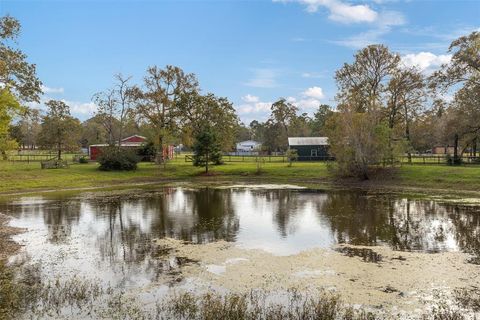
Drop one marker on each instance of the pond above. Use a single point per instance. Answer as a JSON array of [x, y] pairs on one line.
[[113, 237]]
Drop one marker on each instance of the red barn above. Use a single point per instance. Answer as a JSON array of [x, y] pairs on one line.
[[134, 141]]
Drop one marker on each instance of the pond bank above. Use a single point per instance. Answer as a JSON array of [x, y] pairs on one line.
[[414, 179]]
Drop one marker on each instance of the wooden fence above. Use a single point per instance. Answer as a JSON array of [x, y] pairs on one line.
[[255, 158], [403, 160], [435, 160], [28, 158]]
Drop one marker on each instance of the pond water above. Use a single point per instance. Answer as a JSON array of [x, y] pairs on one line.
[[109, 236]]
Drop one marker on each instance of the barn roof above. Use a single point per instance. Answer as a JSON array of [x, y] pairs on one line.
[[249, 142], [134, 136], [308, 141]]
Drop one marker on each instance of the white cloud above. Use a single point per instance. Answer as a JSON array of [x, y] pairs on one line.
[[339, 10], [425, 61], [386, 21], [46, 89], [254, 108], [250, 99], [312, 75], [314, 92], [82, 108], [347, 13], [77, 109], [381, 21], [263, 78], [305, 104]]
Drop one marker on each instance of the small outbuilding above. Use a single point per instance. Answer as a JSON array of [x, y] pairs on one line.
[[445, 150], [310, 148], [132, 142], [248, 146]]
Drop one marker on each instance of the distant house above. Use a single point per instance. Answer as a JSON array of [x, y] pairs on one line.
[[444, 150], [249, 146], [134, 142], [310, 148]]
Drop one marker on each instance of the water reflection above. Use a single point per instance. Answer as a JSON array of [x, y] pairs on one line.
[[112, 236]]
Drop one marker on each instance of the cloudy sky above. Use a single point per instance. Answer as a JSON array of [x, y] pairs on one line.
[[251, 51]]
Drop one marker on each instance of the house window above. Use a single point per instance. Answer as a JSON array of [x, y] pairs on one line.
[[313, 152]]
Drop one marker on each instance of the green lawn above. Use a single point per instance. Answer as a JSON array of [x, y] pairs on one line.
[[29, 176]]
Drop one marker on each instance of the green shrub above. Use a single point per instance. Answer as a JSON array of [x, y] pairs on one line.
[[83, 159], [147, 152], [113, 159]]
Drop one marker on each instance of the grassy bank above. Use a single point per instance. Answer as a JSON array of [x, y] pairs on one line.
[[20, 177]]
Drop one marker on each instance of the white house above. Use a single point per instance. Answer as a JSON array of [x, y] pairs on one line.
[[249, 146]]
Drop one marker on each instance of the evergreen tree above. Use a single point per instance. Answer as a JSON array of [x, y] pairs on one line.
[[207, 149]]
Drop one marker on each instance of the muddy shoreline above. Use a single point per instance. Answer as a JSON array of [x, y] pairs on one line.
[[8, 247]]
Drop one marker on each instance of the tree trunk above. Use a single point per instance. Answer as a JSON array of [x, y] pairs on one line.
[[407, 136], [159, 157], [59, 154], [474, 147], [455, 150], [206, 164]]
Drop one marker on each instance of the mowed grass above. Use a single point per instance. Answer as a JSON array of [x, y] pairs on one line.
[[30, 177], [440, 177]]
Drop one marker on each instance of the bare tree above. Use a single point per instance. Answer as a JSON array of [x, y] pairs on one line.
[[114, 106]]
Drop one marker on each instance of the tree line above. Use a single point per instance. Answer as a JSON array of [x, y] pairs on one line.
[[383, 109]]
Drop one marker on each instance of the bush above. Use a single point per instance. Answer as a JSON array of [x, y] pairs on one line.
[[292, 155], [83, 159], [147, 152], [118, 159]]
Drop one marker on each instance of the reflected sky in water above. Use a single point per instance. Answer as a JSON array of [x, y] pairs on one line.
[[110, 237]]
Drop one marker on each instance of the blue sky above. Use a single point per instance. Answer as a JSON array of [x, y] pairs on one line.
[[252, 52]]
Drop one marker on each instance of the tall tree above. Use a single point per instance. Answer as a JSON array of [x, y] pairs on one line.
[[93, 131], [282, 117], [406, 98], [9, 108], [28, 128], [60, 131], [319, 120], [201, 111], [461, 74], [464, 66], [372, 92], [157, 101], [16, 73], [364, 82]]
